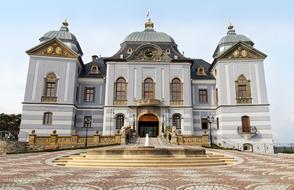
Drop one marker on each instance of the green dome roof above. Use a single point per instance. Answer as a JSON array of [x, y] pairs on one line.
[[65, 36], [149, 35], [229, 40]]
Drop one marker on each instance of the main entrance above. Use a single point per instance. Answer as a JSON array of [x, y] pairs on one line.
[[148, 124]]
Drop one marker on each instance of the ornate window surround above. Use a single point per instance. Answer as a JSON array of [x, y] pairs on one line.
[[148, 88], [50, 88], [119, 120], [241, 98], [120, 91], [47, 118]]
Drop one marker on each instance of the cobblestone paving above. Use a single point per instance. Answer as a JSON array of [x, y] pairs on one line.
[[254, 172]]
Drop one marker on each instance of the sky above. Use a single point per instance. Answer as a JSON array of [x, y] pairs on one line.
[[196, 26]]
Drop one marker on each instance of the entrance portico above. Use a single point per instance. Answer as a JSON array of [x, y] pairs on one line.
[[148, 124]]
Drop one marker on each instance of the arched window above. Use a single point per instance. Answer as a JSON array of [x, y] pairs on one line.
[[177, 120], [243, 92], [246, 124], [176, 89], [47, 118], [50, 85], [201, 71], [119, 121], [148, 89], [121, 89], [94, 69]]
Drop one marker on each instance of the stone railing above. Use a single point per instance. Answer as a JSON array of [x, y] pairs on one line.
[[148, 102], [120, 102], [49, 99], [244, 100], [74, 140], [247, 134], [175, 137], [193, 140], [176, 102]]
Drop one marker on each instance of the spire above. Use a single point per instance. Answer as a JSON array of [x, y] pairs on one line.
[[149, 24], [64, 26], [231, 29]]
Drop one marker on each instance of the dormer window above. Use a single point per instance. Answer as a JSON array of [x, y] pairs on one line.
[[167, 51], [130, 51], [94, 69], [201, 71]]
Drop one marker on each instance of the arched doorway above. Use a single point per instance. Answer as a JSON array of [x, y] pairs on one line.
[[148, 123]]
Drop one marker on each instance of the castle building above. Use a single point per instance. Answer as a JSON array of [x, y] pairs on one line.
[[149, 85]]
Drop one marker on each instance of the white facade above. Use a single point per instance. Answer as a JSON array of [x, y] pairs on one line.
[[89, 94]]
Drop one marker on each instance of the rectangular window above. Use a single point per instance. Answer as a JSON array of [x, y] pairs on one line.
[[242, 91], [217, 123], [47, 118], [75, 121], [216, 96], [203, 98], [50, 89], [77, 94], [89, 94], [204, 123], [88, 121]]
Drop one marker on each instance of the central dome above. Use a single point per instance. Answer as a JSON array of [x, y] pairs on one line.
[[149, 35]]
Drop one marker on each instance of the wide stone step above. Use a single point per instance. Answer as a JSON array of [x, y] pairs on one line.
[[127, 165]]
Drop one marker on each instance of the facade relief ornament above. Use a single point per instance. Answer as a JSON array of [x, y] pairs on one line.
[[149, 53], [242, 52], [53, 49]]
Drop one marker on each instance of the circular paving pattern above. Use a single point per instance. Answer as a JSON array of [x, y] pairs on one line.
[[256, 172]]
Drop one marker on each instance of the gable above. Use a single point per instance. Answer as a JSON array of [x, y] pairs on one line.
[[149, 52], [53, 48], [242, 51]]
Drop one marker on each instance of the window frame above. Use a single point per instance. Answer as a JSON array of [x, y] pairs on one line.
[[121, 89], [204, 123], [176, 89], [176, 120], [47, 118], [148, 88], [87, 124], [89, 97], [119, 121], [203, 97]]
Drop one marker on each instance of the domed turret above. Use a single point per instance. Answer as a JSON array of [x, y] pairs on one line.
[[149, 35], [65, 36], [229, 40]]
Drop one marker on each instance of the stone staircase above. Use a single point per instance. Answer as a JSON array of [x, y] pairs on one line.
[[132, 157]]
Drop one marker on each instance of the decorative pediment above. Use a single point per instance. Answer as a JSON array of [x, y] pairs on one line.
[[242, 51], [149, 52], [53, 48]]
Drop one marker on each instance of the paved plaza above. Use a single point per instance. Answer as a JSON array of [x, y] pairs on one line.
[[252, 172]]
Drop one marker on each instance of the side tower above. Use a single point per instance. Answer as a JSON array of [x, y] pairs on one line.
[[242, 113], [49, 102]]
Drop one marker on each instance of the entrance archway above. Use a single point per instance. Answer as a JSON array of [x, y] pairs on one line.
[[148, 123]]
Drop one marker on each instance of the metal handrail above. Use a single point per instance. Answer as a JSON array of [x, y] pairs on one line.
[[253, 130]]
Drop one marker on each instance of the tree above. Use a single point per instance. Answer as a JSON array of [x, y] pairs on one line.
[[10, 123]]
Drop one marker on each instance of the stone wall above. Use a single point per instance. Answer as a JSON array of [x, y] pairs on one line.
[[7, 147]]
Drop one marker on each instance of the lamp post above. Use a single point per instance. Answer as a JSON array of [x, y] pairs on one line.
[[88, 121], [210, 120], [162, 125], [134, 122]]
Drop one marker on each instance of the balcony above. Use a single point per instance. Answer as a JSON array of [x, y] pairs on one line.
[[176, 102], [244, 100], [148, 102], [49, 99], [247, 135], [120, 102]]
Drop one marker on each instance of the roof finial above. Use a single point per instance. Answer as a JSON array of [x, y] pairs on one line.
[[64, 25], [149, 24], [231, 28]]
